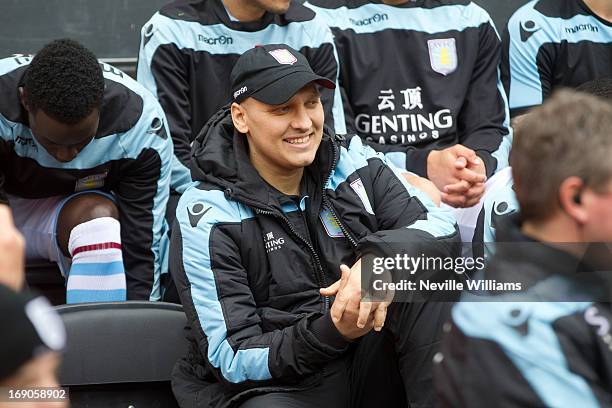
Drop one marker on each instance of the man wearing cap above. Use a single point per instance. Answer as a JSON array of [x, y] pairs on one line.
[[280, 208]]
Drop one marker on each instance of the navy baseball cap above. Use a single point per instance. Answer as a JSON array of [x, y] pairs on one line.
[[272, 74]]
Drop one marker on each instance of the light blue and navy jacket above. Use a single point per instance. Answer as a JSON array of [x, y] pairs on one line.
[[549, 345], [188, 50], [130, 157], [550, 44], [421, 76], [249, 260]]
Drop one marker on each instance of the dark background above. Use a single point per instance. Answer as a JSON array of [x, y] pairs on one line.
[[111, 28]]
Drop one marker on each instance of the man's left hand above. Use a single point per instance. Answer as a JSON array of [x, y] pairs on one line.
[[349, 297]]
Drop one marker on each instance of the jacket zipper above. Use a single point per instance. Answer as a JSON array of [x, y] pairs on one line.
[[326, 201], [320, 275], [322, 281]]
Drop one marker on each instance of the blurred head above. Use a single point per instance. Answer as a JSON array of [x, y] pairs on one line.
[[62, 93], [278, 107], [40, 371], [32, 337], [561, 163]]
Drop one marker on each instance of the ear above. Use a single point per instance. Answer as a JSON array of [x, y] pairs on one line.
[[23, 97], [239, 118], [570, 199]]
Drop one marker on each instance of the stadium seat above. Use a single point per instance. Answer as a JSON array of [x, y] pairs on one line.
[[121, 354]]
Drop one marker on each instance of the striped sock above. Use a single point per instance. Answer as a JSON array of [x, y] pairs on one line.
[[97, 273]]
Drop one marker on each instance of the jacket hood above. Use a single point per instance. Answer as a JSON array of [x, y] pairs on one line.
[[219, 156]]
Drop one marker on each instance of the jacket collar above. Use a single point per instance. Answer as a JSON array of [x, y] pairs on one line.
[[533, 261]]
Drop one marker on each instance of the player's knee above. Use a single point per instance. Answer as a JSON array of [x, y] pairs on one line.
[[82, 209]]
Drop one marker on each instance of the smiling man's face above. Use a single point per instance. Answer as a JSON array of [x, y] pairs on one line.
[[284, 138]]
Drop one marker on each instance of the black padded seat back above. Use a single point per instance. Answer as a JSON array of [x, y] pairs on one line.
[[121, 342]]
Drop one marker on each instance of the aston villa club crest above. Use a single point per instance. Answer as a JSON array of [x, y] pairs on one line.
[[91, 182], [443, 55], [283, 56], [330, 224]]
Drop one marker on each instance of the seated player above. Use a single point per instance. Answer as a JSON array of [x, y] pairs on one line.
[[549, 344], [281, 204], [420, 82], [85, 158], [555, 43]]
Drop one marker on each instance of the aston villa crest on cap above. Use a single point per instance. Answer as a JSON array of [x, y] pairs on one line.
[[283, 56], [443, 55]]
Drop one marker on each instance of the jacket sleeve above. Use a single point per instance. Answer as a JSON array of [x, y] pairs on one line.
[[483, 123], [142, 195], [408, 224], [163, 70], [502, 337], [214, 288], [323, 60], [463, 376], [404, 214]]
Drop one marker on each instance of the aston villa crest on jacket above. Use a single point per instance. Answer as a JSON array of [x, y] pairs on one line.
[[443, 55]]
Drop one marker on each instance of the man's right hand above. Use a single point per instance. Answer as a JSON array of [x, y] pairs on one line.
[[12, 251]]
